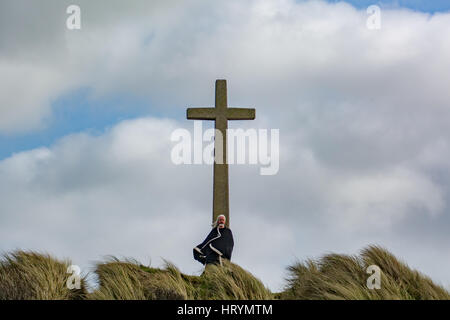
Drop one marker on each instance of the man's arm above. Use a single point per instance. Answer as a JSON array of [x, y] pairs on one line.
[[199, 256], [209, 237]]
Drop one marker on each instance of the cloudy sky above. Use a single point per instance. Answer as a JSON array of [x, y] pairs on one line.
[[86, 118]]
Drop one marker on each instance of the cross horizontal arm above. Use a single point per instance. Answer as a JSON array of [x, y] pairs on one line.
[[240, 114], [201, 113]]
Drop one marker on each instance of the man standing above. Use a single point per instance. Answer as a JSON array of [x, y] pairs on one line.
[[217, 245]]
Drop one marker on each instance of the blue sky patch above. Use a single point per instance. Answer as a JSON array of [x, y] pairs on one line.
[[430, 6], [73, 113]]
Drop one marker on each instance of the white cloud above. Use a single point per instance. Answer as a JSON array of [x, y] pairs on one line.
[[277, 55], [26, 93], [382, 199]]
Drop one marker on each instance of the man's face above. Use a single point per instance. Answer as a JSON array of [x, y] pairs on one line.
[[221, 222]]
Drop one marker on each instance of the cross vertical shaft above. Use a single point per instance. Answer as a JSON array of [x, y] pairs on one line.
[[221, 114], [221, 203]]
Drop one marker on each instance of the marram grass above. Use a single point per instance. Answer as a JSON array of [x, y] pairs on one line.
[[130, 280], [343, 277], [34, 276], [30, 275]]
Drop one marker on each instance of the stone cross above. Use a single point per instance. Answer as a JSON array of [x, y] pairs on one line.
[[221, 114]]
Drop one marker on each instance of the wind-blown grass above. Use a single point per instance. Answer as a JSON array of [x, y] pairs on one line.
[[30, 275], [34, 276], [130, 280], [344, 277]]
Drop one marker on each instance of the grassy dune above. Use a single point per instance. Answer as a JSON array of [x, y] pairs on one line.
[[130, 280], [343, 277], [29, 275], [34, 276]]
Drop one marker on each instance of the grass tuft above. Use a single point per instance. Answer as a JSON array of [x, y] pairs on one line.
[[35, 276], [344, 277], [130, 280]]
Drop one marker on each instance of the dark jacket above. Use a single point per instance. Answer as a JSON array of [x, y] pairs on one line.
[[217, 245]]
